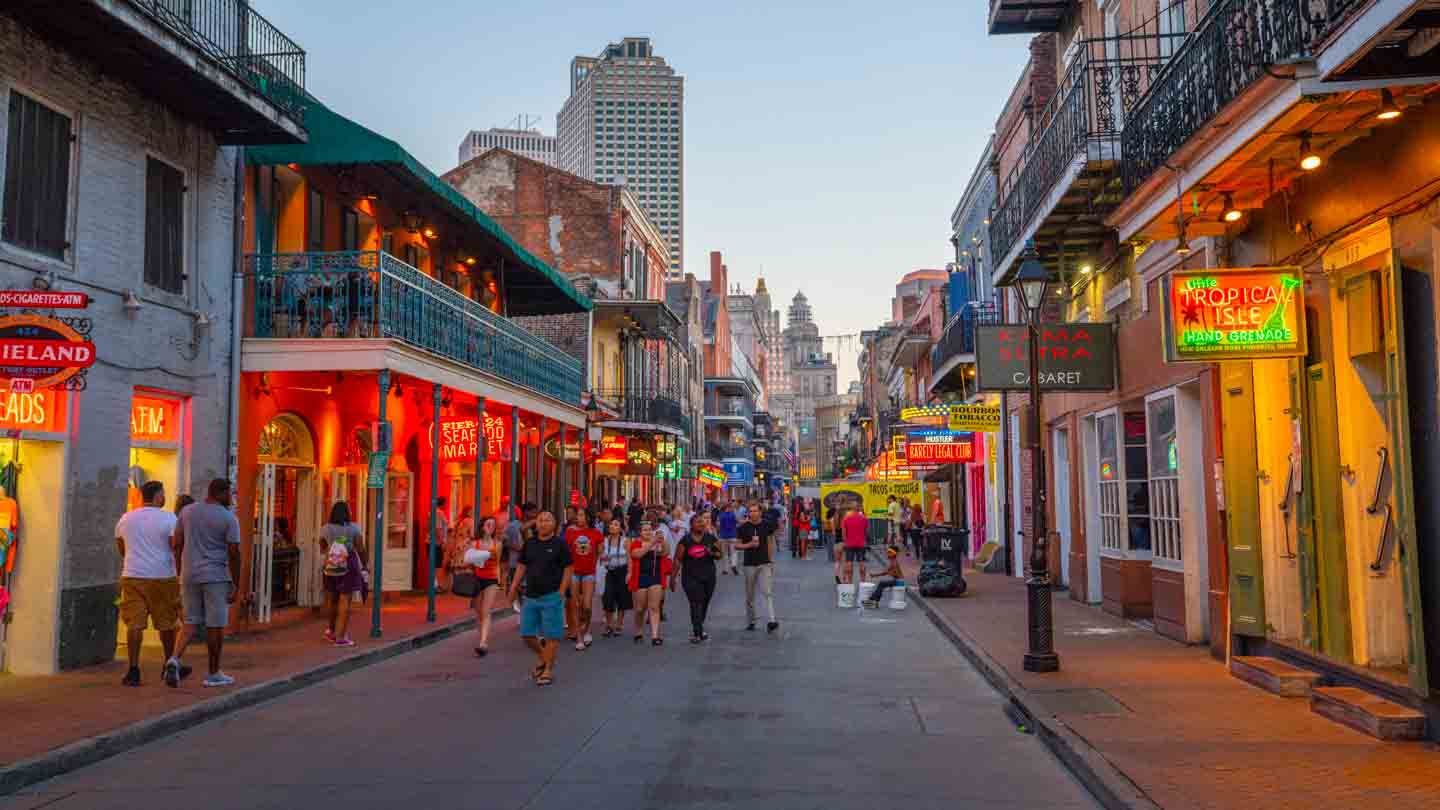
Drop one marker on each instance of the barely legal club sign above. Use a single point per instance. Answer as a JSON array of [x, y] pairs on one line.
[[1238, 314], [1073, 357]]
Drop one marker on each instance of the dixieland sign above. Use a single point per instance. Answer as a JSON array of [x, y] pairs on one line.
[[45, 350], [1073, 357]]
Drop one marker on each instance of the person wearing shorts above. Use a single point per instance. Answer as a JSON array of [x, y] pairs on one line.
[[647, 578], [615, 556], [208, 537], [149, 589], [488, 575], [853, 527], [545, 568], [584, 543]]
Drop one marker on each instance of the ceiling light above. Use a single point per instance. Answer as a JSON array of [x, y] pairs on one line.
[[430, 233], [1232, 214], [1085, 270], [1182, 247], [1388, 111], [470, 260], [1310, 160]]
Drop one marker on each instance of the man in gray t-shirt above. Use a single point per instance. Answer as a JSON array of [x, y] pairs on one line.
[[208, 539]]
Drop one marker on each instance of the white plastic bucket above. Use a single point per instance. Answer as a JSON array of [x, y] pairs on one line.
[[897, 596], [845, 595]]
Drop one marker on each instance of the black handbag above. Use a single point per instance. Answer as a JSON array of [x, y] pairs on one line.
[[465, 583]]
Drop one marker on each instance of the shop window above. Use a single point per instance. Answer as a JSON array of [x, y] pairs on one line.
[[1164, 459], [38, 147], [1137, 483], [1112, 513], [349, 229], [315, 222], [164, 226]]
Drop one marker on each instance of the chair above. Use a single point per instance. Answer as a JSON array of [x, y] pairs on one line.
[[986, 555]]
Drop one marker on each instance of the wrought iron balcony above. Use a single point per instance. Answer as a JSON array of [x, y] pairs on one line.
[[1081, 125], [958, 339], [648, 406], [1028, 16], [722, 407], [371, 294], [1233, 47]]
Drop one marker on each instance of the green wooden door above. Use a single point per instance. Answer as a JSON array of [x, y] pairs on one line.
[[1322, 547], [1242, 499], [1398, 418]]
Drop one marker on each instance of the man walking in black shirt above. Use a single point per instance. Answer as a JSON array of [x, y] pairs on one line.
[[757, 539], [545, 568]]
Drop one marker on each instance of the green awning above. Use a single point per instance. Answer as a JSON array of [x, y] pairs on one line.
[[533, 287]]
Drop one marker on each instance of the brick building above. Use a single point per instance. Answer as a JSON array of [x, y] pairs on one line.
[[600, 237]]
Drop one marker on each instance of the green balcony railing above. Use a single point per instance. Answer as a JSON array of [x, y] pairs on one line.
[[371, 294]]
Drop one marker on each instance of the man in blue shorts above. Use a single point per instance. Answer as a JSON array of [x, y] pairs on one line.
[[725, 525], [545, 568]]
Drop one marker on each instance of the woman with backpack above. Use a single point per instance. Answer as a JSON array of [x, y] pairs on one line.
[[343, 562]]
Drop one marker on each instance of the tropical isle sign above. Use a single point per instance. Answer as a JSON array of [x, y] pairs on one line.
[[1234, 314]]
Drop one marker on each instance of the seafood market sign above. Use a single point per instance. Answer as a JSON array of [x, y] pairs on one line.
[[1234, 314]]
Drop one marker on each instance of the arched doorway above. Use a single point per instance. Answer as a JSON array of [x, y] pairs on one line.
[[286, 566]]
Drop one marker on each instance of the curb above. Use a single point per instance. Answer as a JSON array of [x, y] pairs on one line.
[[1107, 783], [102, 746]]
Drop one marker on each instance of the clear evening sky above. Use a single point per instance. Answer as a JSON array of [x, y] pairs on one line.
[[826, 142]]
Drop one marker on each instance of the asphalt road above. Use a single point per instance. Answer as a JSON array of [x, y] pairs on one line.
[[839, 709]]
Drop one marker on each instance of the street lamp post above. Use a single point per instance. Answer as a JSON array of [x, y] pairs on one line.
[[1034, 282]]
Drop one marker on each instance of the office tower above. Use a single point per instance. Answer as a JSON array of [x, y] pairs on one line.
[[624, 124], [530, 143]]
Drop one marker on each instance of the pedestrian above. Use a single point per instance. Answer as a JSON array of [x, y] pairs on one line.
[[208, 540], [830, 526], [695, 557], [149, 583], [545, 568], [461, 538], [515, 533], [483, 555], [757, 542], [800, 527], [894, 576], [440, 546], [343, 567], [635, 514], [725, 525], [892, 524], [853, 526], [937, 511], [615, 557], [647, 582], [916, 530], [584, 543]]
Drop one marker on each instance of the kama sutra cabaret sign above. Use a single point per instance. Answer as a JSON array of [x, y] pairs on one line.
[[1073, 357], [1239, 314], [46, 350]]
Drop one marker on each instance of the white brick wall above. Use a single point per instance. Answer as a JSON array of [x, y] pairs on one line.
[[117, 128]]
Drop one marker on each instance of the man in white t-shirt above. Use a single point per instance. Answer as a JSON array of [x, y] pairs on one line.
[[149, 588]]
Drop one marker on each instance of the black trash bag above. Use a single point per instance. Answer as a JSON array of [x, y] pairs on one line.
[[941, 578]]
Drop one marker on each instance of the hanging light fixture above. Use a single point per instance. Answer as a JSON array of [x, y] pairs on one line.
[[1232, 214], [1389, 110], [1182, 247], [430, 233], [411, 220], [1310, 160]]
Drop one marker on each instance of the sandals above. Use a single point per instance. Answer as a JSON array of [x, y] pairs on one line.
[[638, 637], [544, 680], [481, 652], [656, 642], [694, 639], [537, 672]]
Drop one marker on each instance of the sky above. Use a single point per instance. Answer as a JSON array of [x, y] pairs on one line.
[[825, 143]]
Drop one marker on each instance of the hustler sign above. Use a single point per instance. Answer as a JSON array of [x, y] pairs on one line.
[[1073, 357]]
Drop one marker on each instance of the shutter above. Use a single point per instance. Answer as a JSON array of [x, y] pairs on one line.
[[1242, 499], [37, 177], [164, 226]]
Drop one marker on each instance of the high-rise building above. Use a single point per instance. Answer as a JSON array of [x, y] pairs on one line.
[[530, 143], [624, 124]]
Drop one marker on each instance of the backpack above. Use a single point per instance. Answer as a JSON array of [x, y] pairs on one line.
[[337, 559], [940, 578]]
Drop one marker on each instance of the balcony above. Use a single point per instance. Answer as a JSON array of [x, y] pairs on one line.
[[954, 356], [369, 295], [1068, 178], [216, 60], [1027, 16], [646, 406], [731, 409]]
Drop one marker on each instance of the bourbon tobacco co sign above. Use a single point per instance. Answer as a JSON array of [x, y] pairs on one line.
[[1073, 357]]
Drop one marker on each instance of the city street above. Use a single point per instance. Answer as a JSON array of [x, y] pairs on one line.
[[837, 710]]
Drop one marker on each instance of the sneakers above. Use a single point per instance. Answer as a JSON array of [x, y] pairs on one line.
[[219, 679], [750, 626], [580, 646], [171, 673], [345, 642], [132, 677], [772, 627], [329, 634], [871, 603], [589, 639]]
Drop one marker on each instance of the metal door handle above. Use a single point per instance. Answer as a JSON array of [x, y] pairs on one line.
[[1379, 479]]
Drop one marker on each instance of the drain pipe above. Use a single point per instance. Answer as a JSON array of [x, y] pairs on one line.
[[237, 311]]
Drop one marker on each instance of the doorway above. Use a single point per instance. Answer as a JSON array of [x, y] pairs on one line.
[[286, 521], [1060, 440]]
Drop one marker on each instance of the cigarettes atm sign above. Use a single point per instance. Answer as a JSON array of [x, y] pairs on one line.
[[1234, 314]]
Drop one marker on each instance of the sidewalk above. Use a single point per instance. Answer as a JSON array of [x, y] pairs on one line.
[[1171, 719], [44, 714]]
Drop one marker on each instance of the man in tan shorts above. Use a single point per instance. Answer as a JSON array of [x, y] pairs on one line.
[[149, 588]]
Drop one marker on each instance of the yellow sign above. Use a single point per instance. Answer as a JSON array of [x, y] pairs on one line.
[[974, 418], [873, 495]]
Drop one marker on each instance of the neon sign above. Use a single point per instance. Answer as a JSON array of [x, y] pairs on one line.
[[1237, 314], [41, 409], [459, 439], [153, 419], [612, 450], [711, 474]]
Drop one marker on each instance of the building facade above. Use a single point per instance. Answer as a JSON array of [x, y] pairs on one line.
[[624, 124], [630, 345], [122, 175], [530, 143]]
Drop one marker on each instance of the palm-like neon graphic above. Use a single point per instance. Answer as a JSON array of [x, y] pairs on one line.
[[1277, 318]]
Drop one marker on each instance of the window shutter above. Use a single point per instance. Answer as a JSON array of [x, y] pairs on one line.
[[164, 226], [37, 177]]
